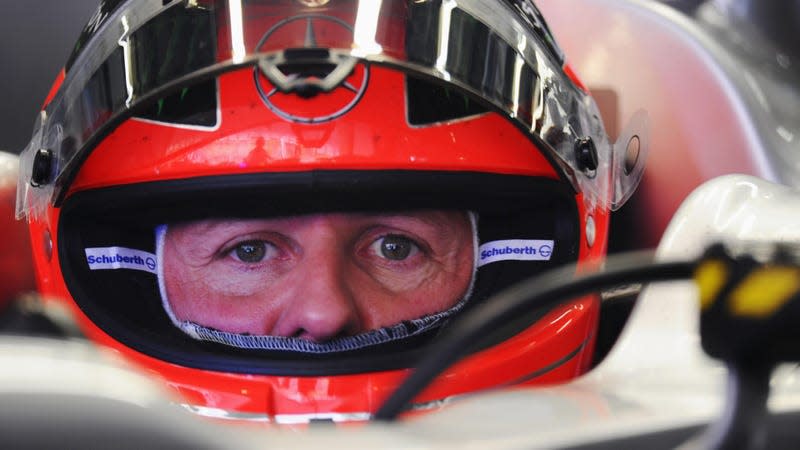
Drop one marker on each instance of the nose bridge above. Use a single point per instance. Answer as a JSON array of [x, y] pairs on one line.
[[325, 256], [323, 304], [325, 268]]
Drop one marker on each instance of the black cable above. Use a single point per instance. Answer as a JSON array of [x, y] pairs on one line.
[[546, 290], [744, 419]]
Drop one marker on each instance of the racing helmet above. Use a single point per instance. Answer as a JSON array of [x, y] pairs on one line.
[[170, 112]]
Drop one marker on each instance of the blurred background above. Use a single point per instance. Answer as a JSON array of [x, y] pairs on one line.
[[36, 36]]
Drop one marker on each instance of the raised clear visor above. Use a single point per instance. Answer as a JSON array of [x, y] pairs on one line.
[[142, 51]]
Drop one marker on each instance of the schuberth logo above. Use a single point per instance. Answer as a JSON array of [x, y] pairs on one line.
[[515, 250], [104, 258]]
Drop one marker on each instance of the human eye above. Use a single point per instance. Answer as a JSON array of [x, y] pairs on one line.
[[395, 247], [252, 251]]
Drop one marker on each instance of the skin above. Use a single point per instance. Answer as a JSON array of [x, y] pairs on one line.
[[318, 276]]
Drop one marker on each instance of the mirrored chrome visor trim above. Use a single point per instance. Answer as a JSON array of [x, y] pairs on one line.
[[482, 46]]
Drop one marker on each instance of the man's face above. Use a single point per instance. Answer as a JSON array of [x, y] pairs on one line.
[[319, 276]]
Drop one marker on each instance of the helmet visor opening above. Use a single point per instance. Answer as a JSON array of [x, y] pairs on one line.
[[125, 302]]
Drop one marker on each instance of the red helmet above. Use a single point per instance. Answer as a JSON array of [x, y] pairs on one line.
[[180, 111]]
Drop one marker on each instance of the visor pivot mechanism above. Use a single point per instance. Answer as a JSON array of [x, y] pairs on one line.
[[42, 165], [586, 155], [632, 152]]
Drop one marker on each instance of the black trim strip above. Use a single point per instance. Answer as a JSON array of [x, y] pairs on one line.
[[552, 366]]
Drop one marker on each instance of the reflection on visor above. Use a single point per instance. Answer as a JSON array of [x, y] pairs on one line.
[[140, 54]]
